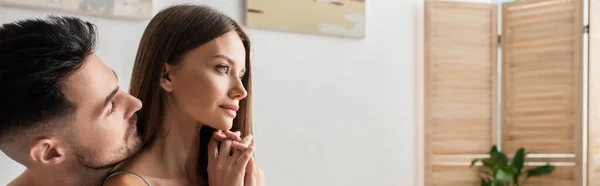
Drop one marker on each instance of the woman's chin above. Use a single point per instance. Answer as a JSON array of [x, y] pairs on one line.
[[223, 126]]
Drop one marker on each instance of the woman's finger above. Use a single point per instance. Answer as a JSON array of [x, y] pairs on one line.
[[250, 177], [242, 162], [225, 150], [219, 135], [242, 145], [213, 152], [235, 136]]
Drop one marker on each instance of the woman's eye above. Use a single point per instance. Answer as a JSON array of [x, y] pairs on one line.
[[113, 106], [223, 69]]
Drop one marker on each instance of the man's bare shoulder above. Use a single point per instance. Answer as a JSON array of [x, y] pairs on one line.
[[18, 181]]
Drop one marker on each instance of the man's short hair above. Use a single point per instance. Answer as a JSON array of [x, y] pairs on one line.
[[36, 56]]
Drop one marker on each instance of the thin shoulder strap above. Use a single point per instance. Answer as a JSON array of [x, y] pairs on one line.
[[121, 172]]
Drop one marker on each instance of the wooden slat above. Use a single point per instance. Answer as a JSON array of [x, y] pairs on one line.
[[562, 176], [533, 88], [593, 166], [460, 52], [453, 176], [465, 176], [460, 84], [542, 82]]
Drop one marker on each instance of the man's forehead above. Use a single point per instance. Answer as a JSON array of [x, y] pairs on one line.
[[91, 82]]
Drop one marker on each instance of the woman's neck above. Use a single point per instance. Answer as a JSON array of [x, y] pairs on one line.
[[177, 145]]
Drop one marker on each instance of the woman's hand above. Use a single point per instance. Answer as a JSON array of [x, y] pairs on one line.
[[225, 169], [253, 174]]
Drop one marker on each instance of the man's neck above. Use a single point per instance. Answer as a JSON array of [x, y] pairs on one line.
[[57, 177]]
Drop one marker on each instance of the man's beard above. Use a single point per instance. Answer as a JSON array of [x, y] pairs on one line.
[[89, 158]]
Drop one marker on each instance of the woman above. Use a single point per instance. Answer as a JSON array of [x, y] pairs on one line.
[[192, 73]]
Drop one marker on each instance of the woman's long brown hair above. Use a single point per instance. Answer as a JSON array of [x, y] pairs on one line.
[[170, 34]]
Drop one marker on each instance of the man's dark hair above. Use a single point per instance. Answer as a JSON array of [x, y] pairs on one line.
[[36, 56]]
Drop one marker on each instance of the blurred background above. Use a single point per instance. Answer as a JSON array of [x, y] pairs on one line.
[[328, 110]]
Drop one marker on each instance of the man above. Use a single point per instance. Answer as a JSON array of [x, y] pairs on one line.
[[62, 114]]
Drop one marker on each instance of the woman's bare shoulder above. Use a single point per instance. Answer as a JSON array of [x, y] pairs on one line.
[[129, 172], [124, 179]]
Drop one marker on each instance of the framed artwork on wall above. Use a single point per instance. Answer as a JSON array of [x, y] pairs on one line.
[[341, 18], [125, 9]]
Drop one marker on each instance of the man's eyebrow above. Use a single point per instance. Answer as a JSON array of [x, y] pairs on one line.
[[117, 77], [110, 96]]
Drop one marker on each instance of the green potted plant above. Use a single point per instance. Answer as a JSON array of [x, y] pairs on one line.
[[498, 171]]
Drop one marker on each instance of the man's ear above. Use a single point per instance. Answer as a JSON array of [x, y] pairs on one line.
[[46, 151], [165, 78]]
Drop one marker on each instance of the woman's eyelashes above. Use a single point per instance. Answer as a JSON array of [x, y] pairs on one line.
[[225, 70], [113, 107]]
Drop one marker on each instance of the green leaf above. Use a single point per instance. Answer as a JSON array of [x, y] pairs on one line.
[[488, 163], [494, 153], [517, 163], [494, 150], [540, 171], [474, 161], [503, 176], [485, 173], [499, 159], [502, 159], [496, 168], [485, 182]]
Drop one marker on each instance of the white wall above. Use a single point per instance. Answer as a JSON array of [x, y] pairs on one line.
[[327, 111]]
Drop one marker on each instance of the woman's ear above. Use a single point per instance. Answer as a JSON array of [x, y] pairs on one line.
[[165, 78], [47, 152]]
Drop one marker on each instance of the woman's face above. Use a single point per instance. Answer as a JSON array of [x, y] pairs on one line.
[[206, 84]]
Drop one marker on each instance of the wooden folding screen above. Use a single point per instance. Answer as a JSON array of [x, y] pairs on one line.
[[460, 89], [542, 85], [541, 88], [593, 168]]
